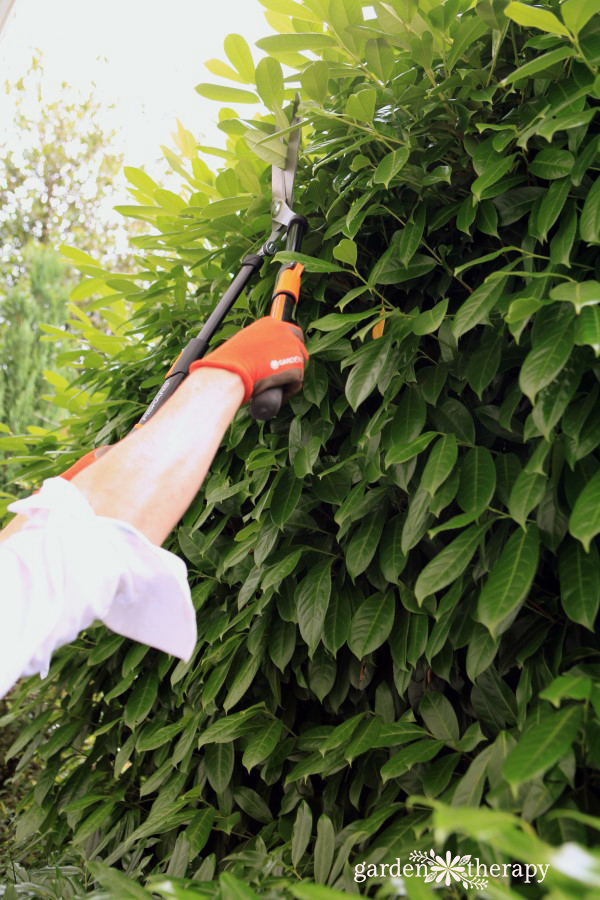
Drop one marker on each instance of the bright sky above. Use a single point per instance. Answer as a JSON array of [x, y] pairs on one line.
[[151, 52]]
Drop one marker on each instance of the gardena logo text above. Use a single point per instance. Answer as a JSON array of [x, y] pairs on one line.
[[275, 363], [430, 867]]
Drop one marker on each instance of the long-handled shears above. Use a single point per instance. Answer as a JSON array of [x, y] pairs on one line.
[[287, 288], [283, 301]]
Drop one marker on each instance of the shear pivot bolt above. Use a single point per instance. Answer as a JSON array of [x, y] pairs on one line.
[[276, 207]]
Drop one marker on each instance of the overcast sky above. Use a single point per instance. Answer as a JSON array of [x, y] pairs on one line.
[[145, 56]]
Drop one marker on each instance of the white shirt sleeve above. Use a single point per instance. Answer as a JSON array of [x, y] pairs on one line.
[[67, 567]]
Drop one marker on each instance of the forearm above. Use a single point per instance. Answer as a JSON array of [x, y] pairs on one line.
[[150, 478]]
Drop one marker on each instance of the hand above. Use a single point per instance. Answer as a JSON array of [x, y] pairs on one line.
[[266, 354]]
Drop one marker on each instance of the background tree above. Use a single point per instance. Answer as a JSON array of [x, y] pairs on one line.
[[57, 174], [397, 579]]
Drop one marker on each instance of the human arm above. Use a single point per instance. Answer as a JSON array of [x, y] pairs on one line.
[[82, 550], [150, 477]]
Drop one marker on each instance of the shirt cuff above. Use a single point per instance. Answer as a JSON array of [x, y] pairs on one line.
[[137, 589]]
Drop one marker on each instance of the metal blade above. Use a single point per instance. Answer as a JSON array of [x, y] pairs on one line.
[[282, 180]]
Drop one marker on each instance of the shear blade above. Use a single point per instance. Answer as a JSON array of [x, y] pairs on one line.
[[282, 180]]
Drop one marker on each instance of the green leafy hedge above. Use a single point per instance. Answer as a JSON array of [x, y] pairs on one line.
[[397, 579]]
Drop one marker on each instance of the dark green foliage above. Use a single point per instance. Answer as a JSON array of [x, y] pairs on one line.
[[397, 579]]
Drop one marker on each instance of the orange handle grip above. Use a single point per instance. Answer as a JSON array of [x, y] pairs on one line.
[[286, 293]]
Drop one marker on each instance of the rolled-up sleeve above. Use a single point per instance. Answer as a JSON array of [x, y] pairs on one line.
[[68, 567]]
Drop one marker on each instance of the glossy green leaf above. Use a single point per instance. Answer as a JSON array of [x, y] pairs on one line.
[[219, 759], [261, 746], [543, 745], [282, 643], [527, 491], [551, 164], [510, 580], [429, 321], [584, 523], [233, 888], [577, 13], [240, 56], [581, 294], [400, 453], [365, 374], [411, 235], [469, 30], [269, 82], [336, 627], [536, 17], [391, 558], [389, 270], [293, 43], [301, 832], [480, 653], [198, 831], [477, 481], [346, 251], [418, 752], [439, 716], [589, 222], [552, 205], [587, 329], [312, 600], [141, 700], [390, 165], [228, 728], [450, 563], [314, 80], [440, 463], [252, 804], [365, 540], [226, 94], [573, 687], [492, 175], [371, 624], [580, 583], [361, 105], [478, 306], [285, 498], [310, 263], [539, 64], [324, 848], [546, 359]]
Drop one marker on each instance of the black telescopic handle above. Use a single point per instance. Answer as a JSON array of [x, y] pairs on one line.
[[198, 346], [267, 404]]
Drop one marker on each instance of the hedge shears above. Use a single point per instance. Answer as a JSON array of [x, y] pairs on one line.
[[283, 301], [287, 287]]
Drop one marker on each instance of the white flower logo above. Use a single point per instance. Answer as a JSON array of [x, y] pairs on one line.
[[452, 868], [448, 870]]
